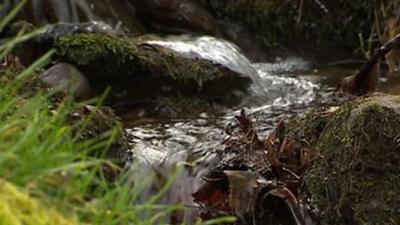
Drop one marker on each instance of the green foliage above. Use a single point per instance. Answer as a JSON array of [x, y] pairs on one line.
[[48, 169], [42, 152]]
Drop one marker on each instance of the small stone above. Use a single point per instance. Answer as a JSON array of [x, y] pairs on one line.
[[68, 79]]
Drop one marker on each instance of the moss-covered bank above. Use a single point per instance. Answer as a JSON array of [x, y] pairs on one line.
[[142, 70], [357, 181], [18, 208]]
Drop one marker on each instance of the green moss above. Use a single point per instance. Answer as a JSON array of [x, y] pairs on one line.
[[357, 180], [96, 123], [141, 69], [17, 208], [100, 52], [308, 126]]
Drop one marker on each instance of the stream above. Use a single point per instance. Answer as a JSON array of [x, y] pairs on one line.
[[278, 93], [281, 90]]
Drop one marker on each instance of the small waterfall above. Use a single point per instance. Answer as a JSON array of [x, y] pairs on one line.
[[194, 142], [218, 51], [271, 86]]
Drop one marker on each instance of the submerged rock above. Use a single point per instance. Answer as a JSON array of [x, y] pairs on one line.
[[357, 181], [139, 71], [17, 207]]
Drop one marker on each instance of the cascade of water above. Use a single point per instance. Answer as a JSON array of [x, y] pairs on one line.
[[286, 90], [269, 86], [218, 51]]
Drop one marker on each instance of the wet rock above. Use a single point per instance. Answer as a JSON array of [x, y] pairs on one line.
[[100, 123], [16, 207], [357, 180], [176, 16], [216, 50], [137, 72], [68, 79]]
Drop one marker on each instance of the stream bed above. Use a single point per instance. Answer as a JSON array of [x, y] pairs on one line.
[[172, 122], [281, 90], [278, 93]]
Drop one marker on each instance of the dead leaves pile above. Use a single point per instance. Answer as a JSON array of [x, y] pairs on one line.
[[258, 180]]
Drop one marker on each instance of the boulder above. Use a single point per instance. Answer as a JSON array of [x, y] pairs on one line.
[[357, 181], [139, 71]]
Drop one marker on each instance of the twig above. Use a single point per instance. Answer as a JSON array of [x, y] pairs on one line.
[[322, 6]]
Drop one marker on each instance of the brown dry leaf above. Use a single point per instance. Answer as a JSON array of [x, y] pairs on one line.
[[274, 143], [246, 176], [290, 154], [245, 124], [213, 194], [244, 191]]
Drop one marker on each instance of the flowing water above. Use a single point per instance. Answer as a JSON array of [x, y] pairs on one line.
[[277, 94], [269, 88], [282, 96], [281, 90]]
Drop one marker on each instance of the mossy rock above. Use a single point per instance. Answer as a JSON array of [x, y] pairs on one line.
[[18, 208], [100, 123], [140, 71], [357, 181]]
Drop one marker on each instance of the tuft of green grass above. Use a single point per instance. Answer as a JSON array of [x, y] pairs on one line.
[[39, 152], [41, 156]]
